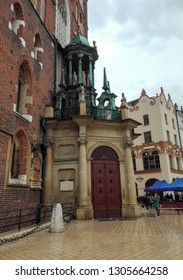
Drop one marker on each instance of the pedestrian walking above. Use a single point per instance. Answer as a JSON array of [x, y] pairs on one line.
[[156, 201]]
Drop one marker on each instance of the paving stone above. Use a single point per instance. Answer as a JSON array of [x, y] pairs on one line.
[[148, 238]]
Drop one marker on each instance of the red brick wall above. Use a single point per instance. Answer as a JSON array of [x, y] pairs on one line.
[[3, 158], [12, 54], [74, 21]]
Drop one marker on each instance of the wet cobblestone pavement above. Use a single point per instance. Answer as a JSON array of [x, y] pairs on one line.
[[147, 238]]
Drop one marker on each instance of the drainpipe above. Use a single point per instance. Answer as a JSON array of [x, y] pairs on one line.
[[176, 110], [43, 150]]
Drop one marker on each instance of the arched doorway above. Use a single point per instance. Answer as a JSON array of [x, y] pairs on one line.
[[150, 182], [106, 192]]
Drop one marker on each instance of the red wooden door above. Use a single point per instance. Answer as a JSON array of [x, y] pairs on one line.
[[106, 189]]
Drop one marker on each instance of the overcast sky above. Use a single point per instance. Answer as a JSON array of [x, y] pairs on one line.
[[140, 43]]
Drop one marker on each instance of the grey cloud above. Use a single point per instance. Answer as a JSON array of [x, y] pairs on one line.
[[157, 18], [98, 13], [143, 22]]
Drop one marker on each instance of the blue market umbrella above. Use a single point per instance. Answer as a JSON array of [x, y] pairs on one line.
[[176, 185], [158, 186]]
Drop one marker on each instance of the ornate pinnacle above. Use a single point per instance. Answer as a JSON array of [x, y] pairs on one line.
[[79, 29], [105, 82]]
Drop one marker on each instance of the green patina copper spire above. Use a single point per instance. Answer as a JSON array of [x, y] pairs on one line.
[[79, 60], [105, 82], [78, 38], [109, 87]]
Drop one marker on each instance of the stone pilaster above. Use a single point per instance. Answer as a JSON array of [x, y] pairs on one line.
[[82, 172], [131, 207], [84, 211]]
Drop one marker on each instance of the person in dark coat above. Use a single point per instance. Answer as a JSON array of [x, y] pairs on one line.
[[146, 201], [156, 202]]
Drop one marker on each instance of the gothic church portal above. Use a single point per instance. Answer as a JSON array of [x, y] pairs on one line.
[[89, 158]]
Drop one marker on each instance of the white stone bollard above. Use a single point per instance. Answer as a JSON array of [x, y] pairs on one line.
[[57, 223]]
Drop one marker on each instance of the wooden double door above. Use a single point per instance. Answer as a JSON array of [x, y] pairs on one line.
[[106, 189]]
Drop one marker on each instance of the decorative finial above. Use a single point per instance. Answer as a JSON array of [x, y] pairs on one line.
[[124, 107], [143, 92], [162, 90], [94, 44], [79, 28], [123, 97]]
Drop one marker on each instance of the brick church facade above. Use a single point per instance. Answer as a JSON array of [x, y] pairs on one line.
[[59, 140], [33, 34]]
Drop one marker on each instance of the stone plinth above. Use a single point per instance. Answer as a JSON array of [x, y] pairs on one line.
[[84, 213], [131, 211], [57, 224]]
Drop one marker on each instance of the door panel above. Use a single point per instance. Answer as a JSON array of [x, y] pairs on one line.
[[106, 189], [113, 190], [99, 193]]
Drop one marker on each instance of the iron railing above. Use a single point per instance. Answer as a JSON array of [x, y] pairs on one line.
[[18, 218]]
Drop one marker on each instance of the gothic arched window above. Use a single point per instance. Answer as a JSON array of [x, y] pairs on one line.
[[18, 23], [38, 49], [19, 158], [24, 98]]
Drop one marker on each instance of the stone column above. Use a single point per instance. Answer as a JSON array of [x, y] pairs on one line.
[[84, 210], [70, 70], [48, 174], [82, 172], [80, 74], [132, 207], [90, 73]]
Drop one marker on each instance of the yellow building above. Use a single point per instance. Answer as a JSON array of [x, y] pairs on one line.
[[157, 151]]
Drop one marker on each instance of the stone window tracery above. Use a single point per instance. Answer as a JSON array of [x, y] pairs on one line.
[[62, 9], [23, 105], [18, 172], [18, 24], [38, 49], [36, 166]]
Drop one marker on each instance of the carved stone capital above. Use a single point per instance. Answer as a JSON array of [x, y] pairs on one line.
[[127, 142], [50, 143], [82, 140]]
